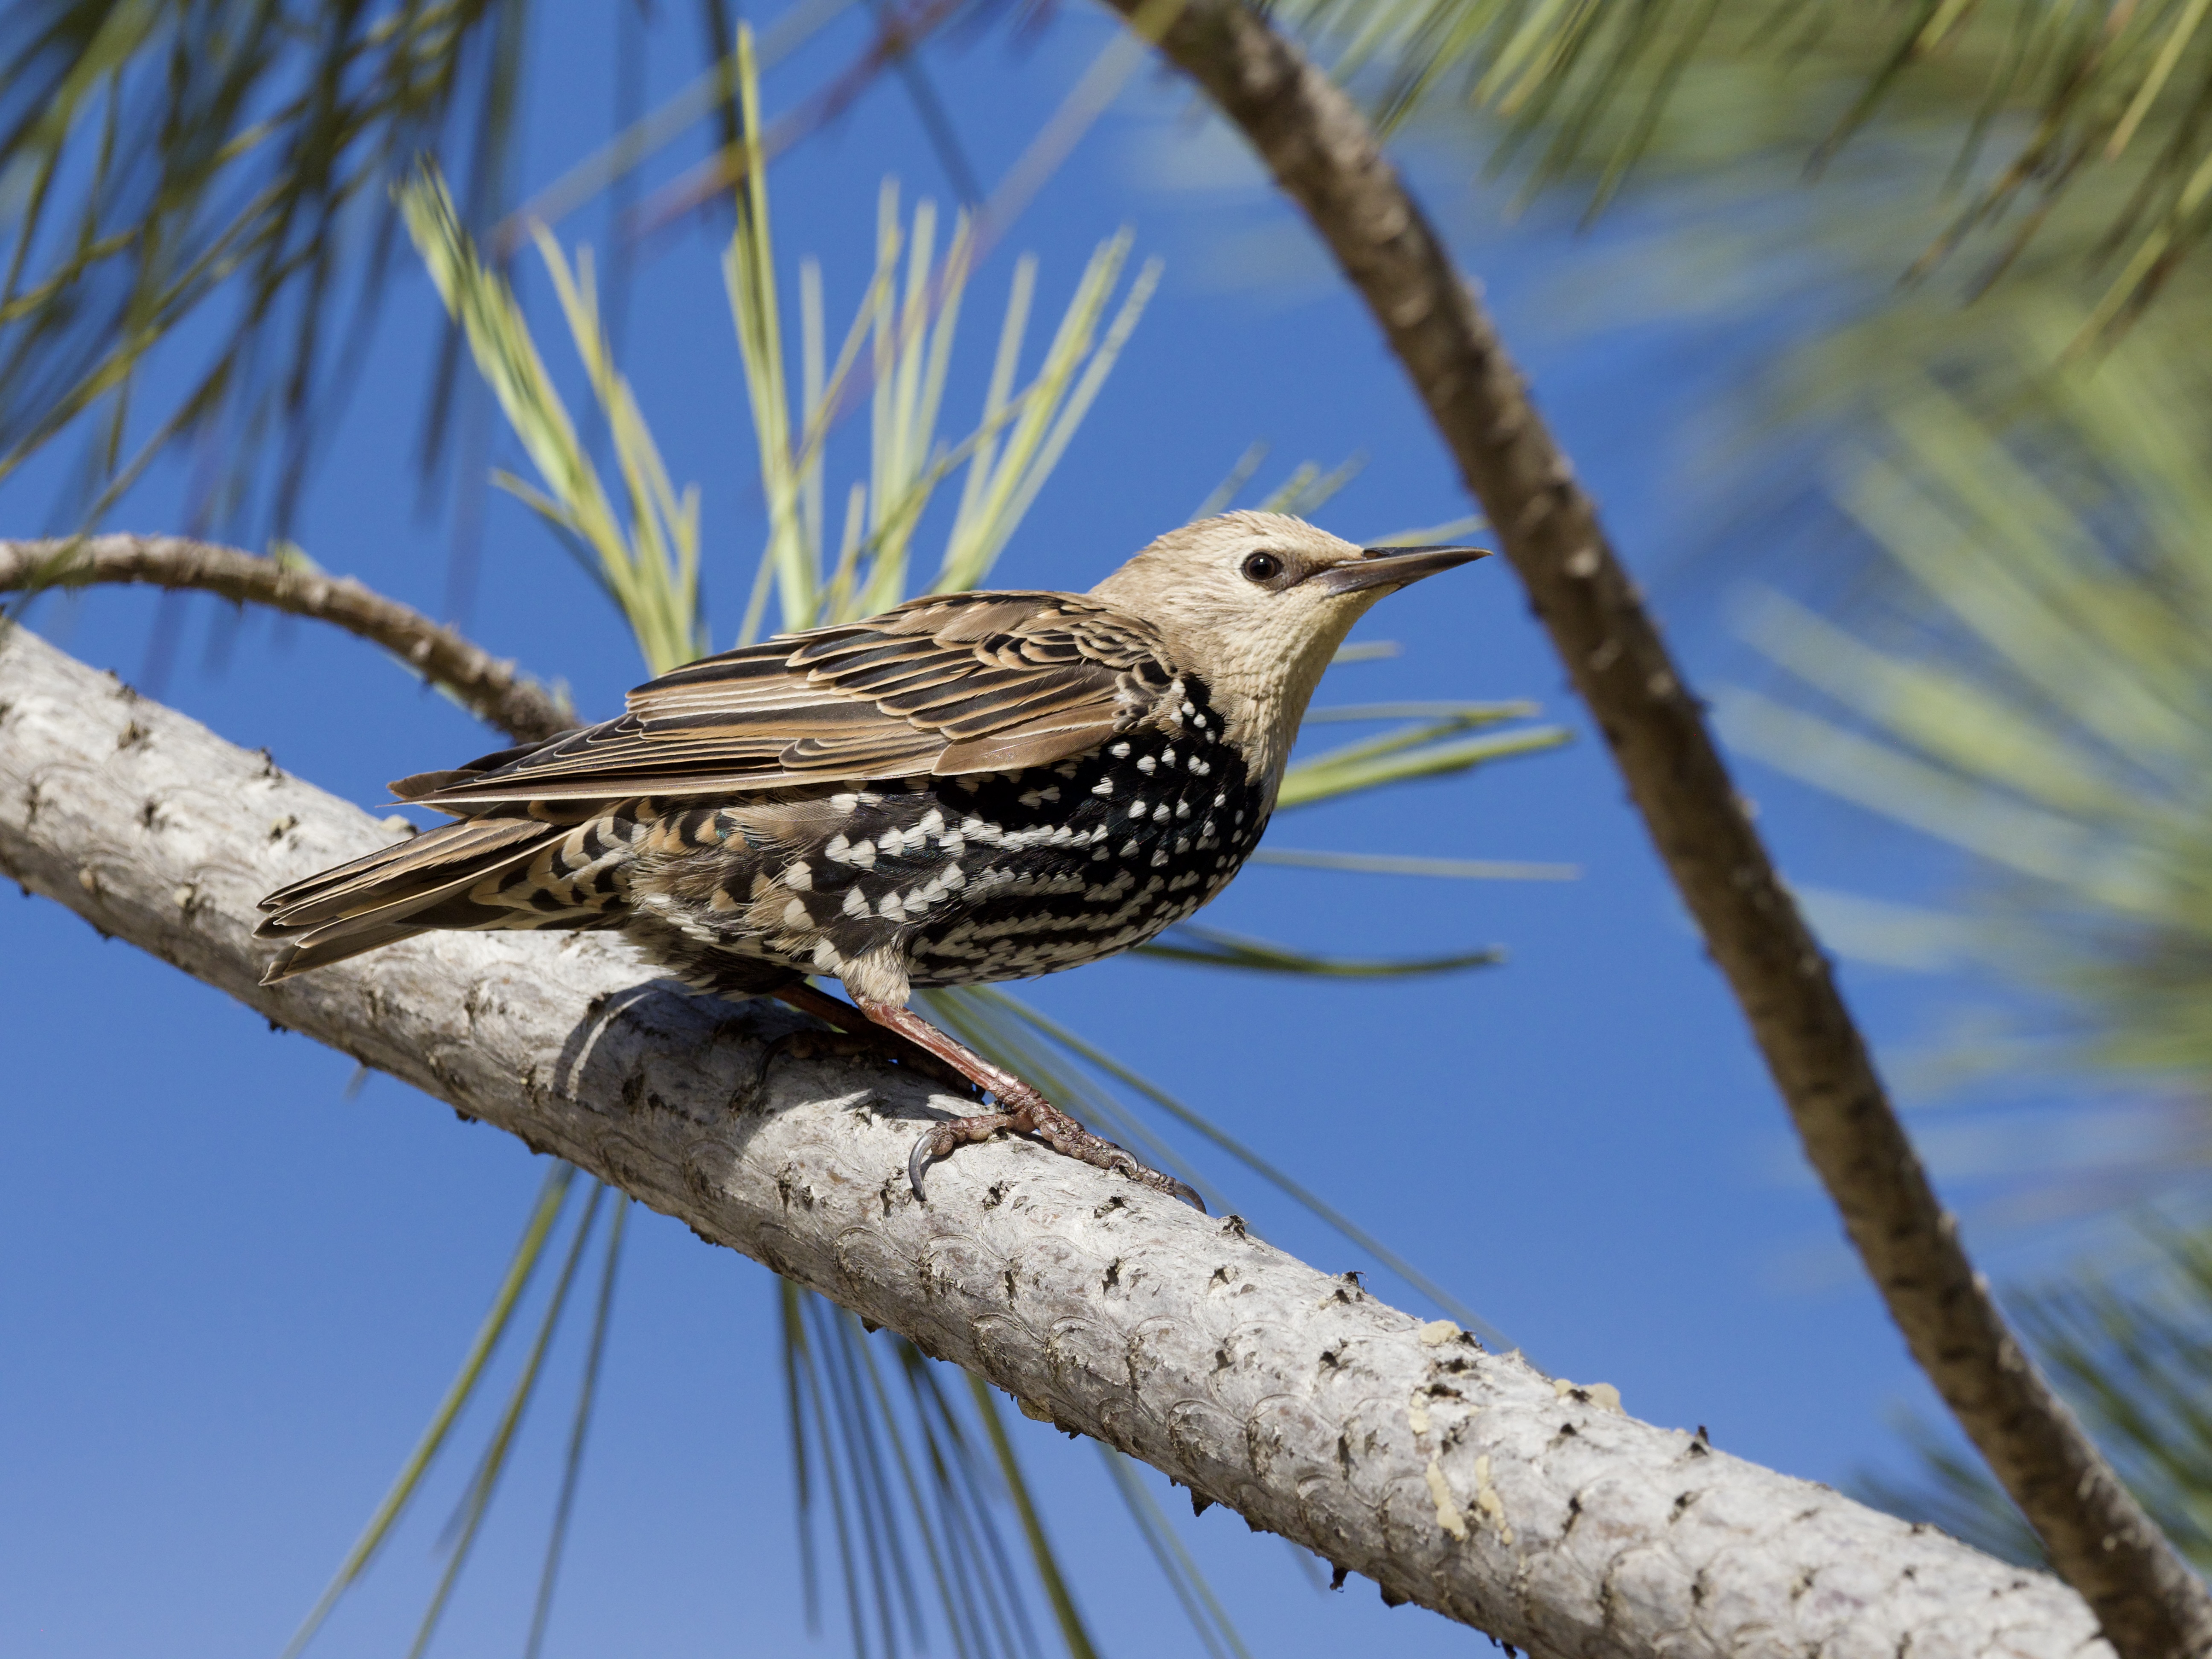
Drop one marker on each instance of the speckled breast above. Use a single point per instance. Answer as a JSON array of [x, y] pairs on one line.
[[973, 879], [1088, 858]]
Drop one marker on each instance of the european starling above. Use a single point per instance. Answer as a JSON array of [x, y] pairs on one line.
[[970, 787]]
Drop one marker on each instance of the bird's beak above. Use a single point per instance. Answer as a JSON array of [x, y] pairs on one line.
[[1393, 567]]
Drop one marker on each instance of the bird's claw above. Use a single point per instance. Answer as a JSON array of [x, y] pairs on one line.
[[940, 1140], [1159, 1180], [935, 1144]]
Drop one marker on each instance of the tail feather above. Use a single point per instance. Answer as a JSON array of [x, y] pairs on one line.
[[347, 941], [404, 870], [434, 881]]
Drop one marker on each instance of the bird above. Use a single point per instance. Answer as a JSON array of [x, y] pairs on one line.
[[968, 788]]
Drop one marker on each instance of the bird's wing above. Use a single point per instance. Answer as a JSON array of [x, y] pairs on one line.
[[956, 683]]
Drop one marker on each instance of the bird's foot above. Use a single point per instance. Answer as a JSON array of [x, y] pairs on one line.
[[1021, 1109], [1035, 1116], [939, 1138]]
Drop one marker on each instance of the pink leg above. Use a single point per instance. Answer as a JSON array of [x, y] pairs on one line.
[[856, 1034], [1022, 1110]]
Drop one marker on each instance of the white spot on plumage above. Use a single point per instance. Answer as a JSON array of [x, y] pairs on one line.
[[1103, 787], [1160, 813], [798, 876], [1119, 751], [1129, 849], [1146, 763], [795, 916]]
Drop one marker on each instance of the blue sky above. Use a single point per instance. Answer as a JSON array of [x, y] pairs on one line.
[[238, 1288]]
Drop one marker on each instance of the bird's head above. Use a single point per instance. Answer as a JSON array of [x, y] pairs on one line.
[[1258, 604]]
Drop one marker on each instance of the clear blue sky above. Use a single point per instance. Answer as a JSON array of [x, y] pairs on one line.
[[235, 1291]]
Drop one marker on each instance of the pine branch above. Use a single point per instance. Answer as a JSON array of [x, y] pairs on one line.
[[1326, 157], [486, 686], [1463, 1480]]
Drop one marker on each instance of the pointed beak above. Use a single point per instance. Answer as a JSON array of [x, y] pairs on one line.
[[1393, 567]]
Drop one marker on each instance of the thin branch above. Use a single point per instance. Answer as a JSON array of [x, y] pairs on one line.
[[483, 685], [1326, 157], [1464, 1480]]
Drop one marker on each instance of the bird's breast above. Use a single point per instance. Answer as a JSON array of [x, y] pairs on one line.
[[994, 876], [1067, 864]]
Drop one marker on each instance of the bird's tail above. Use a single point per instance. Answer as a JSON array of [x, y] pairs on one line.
[[480, 872]]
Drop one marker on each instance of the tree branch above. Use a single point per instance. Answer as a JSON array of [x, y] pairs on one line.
[[487, 687], [1462, 1480], [1326, 157]]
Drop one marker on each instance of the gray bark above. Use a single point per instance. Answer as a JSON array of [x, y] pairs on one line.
[[1466, 1481], [1326, 157]]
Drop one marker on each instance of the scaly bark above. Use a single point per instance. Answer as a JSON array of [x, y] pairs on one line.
[[487, 687], [1325, 156], [1463, 1480]]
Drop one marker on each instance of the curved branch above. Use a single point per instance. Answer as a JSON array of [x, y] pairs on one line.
[[1326, 157], [1464, 1480], [488, 687]]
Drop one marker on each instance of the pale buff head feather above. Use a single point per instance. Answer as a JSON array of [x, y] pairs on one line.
[[1259, 603]]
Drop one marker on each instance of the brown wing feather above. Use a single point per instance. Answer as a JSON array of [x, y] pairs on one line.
[[955, 683]]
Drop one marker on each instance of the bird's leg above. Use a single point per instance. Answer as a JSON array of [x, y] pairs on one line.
[[1022, 1110], [854, 1033]]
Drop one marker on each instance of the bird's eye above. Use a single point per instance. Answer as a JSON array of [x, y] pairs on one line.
[[1262, 568]]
